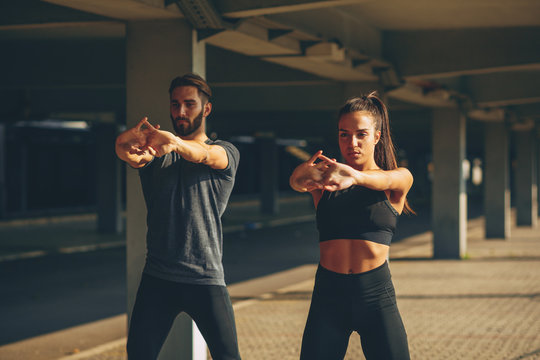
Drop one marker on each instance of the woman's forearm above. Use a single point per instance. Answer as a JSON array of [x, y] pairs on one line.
[[382, 180]]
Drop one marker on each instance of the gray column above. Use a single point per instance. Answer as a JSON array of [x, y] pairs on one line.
[[157, 51], [538, 169], [496, 181], [525, 178], [449, 199], [108, 180], [3, 185], [23, 185], [269, 194]]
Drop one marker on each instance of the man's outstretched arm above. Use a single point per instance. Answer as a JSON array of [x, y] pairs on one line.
[[161, 142]]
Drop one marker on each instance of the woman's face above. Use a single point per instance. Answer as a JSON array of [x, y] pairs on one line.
[[357, 138]]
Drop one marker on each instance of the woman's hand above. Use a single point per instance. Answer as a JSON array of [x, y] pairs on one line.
[[337, 176], [308, 176]]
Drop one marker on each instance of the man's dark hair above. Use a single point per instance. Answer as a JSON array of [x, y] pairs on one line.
[[191, 79]]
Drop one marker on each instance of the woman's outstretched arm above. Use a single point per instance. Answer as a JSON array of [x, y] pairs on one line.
[[396, 183], [339, 176], [308, 176]]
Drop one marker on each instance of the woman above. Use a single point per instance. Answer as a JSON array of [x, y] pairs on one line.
[[358, 204]]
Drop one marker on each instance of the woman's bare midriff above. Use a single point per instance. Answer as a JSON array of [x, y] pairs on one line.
[[351, 256]]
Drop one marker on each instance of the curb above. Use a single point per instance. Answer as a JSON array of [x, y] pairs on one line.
[[62, 250], [96, 350]]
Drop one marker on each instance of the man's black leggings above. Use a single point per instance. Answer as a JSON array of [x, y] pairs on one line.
[[343, 303], [160, 301]]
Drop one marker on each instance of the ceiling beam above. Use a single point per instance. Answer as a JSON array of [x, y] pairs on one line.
[[296, 50], [124, 9], [442, 53], [339, 71], [503, 89], [487, 115], [252, 39], [227, 67], [414, 94], [336, 25], [251, 8]]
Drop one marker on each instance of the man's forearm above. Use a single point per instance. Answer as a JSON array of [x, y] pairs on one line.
[[192, 151]]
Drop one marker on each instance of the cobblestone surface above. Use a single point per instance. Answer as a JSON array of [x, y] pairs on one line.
[[485, 307], [451, 309]]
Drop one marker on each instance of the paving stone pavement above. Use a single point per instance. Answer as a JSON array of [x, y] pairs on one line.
[[484, 307]]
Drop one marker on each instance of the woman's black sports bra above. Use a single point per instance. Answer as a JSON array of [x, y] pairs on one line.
[[356, 213]]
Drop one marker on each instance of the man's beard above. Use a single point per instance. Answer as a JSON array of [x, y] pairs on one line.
[[188, 128]]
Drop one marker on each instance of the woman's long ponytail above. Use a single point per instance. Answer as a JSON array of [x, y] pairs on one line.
[[385, 152]]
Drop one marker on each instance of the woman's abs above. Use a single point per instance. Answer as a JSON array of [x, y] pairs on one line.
[[351, 256]]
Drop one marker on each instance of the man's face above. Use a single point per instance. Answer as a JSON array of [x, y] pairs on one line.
[[187, 110]]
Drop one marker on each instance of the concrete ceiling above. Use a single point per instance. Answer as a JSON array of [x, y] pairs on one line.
[[454, 14], [481, 54]]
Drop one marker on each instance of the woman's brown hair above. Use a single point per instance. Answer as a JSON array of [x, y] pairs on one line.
[[385, 151]]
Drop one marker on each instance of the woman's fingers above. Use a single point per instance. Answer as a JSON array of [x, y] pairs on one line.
[[324, 158], [314, 157], [312, 185], [322, 166]]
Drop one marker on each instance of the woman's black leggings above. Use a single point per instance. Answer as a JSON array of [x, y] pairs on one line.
[[343, 303], [160, 301]]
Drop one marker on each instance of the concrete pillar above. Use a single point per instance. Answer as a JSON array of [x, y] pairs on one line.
[[108, 180], [23, 185], [3, 184], [525, 178], [538, 169], [269, 170], [496, 181], [157, 51], [449, 199]]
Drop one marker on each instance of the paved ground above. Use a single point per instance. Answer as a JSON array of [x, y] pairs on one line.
[[487, 307], [484, 307]]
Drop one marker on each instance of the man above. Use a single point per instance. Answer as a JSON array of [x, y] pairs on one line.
[[186, 180]]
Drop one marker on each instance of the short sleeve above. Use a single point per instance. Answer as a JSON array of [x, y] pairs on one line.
[[233, 157]]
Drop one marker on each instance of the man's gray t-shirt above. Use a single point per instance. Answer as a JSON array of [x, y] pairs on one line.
[[185, 202]]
